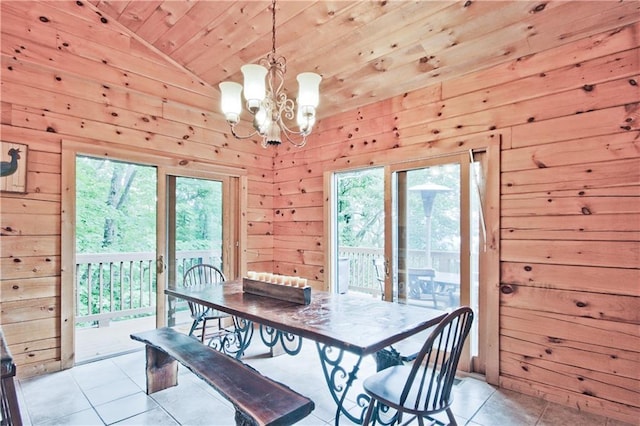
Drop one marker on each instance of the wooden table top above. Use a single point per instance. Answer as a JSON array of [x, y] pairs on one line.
[[361, 325]]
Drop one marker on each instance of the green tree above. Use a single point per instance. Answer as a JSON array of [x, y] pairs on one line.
[[198, 214], [360, 205], [445, 216], [360, 208], [115, 208]]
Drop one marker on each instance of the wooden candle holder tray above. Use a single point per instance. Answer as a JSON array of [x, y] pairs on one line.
[[301, 295]]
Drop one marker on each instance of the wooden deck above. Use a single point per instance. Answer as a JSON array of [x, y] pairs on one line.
[[95, 343]]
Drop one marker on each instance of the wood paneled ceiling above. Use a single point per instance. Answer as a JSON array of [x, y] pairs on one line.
[[366, 51]]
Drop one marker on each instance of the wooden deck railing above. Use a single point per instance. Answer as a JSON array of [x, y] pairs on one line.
[[362, 274], [114, 285]]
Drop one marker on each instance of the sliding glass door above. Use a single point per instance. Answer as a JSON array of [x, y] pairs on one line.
[[415, 233], [115, 246], [200, 229], [132, 222], [428, 251]]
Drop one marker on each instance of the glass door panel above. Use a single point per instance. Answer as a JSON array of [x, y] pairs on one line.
[[195, 224], [359, 218], [426, 252], [198, 223], [422, 225], [436, 237], [115, 269]]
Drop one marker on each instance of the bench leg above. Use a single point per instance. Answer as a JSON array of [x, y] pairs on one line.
[[162, 370], [243, 420], [10, 402]]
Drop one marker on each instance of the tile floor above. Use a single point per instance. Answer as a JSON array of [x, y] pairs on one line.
[[111, 391]]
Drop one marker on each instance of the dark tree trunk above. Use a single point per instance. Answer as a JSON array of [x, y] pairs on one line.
[[121, 180]]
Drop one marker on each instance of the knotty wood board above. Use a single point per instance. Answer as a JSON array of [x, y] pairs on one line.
[[28, 289], [594, 357], [372, 131], [589, 278]]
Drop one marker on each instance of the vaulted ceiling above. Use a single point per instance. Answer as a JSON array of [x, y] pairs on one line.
[[365, 50]]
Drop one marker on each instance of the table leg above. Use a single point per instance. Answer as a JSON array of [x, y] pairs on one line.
[[291, 343], [236, 343], [340, 381]]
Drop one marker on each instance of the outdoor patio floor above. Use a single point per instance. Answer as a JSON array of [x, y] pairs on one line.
[[112, 391]]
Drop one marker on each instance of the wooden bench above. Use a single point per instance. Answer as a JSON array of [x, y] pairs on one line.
[[9, 408], [257, 399]]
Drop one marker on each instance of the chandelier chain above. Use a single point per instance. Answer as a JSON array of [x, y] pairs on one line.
[[273, 27]]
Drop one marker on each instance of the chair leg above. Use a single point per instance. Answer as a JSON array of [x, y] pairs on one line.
[[367, 416], [433, 295], [204, 329], [452, 420], [193, 327]]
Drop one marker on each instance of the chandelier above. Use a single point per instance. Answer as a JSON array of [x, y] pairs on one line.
[[268, 103]]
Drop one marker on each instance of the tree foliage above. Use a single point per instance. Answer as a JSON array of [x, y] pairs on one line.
[[360, 208], [198, 214], [116, 209], [115, 206]]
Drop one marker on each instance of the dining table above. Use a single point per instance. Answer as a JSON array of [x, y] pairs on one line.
[[337, 323]]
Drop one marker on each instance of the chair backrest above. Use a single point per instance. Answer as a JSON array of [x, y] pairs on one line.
[[198, 275], [202, 274], [431, 379], [378, 265]]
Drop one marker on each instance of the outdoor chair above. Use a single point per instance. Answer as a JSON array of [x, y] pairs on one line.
[[378, 264], [200, 275], [424, 387], [422, 281]]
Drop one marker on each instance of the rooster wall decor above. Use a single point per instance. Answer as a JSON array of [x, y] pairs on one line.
[[10, 167], [13, 171]]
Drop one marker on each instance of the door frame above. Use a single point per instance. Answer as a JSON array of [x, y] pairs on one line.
[[390, 241], [489, 326], [165, 166], [232, 256]]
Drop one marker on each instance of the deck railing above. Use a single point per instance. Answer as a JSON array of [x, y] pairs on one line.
[[115, 285], [361, 273]]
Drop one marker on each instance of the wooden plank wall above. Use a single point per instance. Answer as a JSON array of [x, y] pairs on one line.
[[570, 196], [570, 206], [61, 80]]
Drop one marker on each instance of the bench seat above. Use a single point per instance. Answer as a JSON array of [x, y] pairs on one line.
[[257, 399]]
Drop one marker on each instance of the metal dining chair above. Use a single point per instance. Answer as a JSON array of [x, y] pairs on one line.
[[424, 387], [378, 265], [200, 275]]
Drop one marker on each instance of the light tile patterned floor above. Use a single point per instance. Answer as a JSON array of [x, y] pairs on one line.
[[111, 391]]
